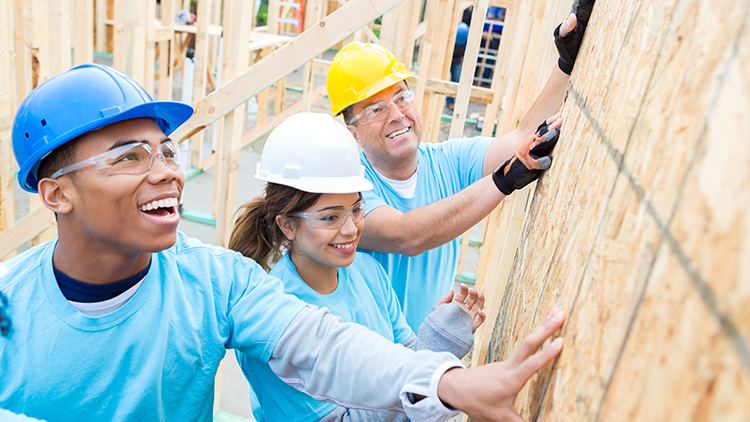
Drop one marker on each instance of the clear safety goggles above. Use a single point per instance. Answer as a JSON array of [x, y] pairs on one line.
[[333, 218], [128, 159], [379, 111]]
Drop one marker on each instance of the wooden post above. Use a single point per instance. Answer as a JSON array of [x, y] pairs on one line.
[[273, 17], [236, 56], [101, 28], [313, 14], [130, 38], [167, 51], [83, 29], [467, 69], [60, 44], [149, 58], [7, 109], [201, 60], [441, 17]]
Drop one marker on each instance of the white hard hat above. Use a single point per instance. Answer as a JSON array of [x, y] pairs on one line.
[[313, 152]]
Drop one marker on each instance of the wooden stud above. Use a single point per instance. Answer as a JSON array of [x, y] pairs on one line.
[[7, 108], [202, 71], [83, 32], [167, 51], [31, 226], [101, 28], [149, 60], [236, 56], [467, 69], [60, 43], [283, 61]]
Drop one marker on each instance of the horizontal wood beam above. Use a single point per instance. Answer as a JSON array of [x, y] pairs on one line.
[[26, 229]]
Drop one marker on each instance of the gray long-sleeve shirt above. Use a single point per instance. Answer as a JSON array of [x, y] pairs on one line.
[[347, 364]]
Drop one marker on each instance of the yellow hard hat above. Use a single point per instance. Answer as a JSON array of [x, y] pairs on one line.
[[359, 71]]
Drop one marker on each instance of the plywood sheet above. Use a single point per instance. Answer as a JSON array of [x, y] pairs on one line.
[[640, 230]]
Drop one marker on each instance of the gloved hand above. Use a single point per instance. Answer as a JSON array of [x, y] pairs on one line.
[[569, 44], [530, 159]]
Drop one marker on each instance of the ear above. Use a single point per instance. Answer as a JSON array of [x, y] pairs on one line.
[[55, 195], [353, 131], [286, 224]]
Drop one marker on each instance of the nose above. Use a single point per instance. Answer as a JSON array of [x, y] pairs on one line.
[[349, 228], [397, 115], [161, 172]]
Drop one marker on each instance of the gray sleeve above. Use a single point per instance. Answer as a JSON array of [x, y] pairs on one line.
[[349, 365], [446, 329]]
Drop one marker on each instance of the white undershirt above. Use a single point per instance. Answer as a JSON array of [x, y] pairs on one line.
[[404, 188], [94, 309]]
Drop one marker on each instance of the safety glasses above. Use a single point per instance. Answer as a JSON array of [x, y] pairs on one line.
[[333, 218], [128, 159], [379, 111]]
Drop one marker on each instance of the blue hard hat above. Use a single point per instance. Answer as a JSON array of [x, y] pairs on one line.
[[83, 99], [462, 34]]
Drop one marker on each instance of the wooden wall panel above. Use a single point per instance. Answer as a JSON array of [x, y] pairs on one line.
[[641, 228]]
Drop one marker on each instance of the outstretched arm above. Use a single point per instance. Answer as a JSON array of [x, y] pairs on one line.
[[422, 229], [347, 364], [568, 36], [487, 392], [546, 104], [412, 233]]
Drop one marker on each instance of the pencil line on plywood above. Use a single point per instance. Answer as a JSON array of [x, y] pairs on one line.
[[699, 282]]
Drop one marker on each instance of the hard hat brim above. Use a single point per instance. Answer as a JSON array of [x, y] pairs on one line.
[[168, 114], [373, 89]]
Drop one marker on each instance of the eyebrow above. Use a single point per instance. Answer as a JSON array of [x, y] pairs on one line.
[[135, 141], [338, 207], [399, 91]]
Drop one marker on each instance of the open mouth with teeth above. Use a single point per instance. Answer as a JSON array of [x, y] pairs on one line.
[[398, 133], [161, 208], [343, 245]]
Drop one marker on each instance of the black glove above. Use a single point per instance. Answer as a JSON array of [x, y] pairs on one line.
[[513, 174], [569, 45]]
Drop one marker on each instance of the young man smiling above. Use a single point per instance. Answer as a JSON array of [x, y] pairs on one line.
[[426, 195], [125, 319]]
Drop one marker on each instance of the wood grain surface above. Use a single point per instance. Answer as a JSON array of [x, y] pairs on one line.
[[640, 231]]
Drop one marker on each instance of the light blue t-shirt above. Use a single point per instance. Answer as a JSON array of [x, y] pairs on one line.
[[153, 359], [443, 169], [363, 295]]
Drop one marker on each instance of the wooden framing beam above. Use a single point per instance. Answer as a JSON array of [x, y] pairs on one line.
[[236, 56], [283, 61], [60, 45], [83, 32], [255, 133], [29, 227], [200, 58], [7, 108], [167, 50], [467, 69]]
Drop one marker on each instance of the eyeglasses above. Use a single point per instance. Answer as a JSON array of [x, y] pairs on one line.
[[379, 111], [128, 159], [334, 218]]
